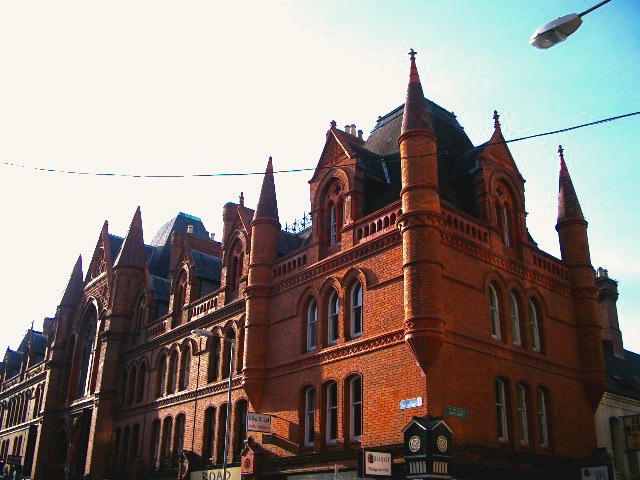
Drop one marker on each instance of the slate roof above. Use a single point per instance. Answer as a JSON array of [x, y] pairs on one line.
[[161, 288], [208, 266], [623, 373], [290, 242], [457, 160], [115, 243]]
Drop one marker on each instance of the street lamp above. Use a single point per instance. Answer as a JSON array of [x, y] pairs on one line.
[[199, 332], [557, 31]]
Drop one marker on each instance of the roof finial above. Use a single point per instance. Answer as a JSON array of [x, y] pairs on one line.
[[561, 152], [496, 119], [412, 54], [564, 172], [242, 199], [333, 124]]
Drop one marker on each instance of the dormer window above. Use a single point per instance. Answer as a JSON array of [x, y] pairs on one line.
[[504, 215], [235, 267]]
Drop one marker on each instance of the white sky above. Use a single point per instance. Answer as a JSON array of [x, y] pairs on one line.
[[157, 87]]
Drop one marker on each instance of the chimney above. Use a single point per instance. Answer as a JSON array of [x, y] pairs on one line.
[[359, 134], [347, 129], [607, 298], [213, 236]]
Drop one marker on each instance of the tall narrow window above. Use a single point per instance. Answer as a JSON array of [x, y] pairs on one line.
[[162, 375], [333, 224], [501, 410], [214, 358], [543, 428], [535, 326], [166, 439], [142, 375], [355, 408], [356, 310], [505, 226], [331, 414], [523, 424], [173, 372], [240, 432], [209, 432], [86, 352], [515, 319], [309, 416], [494, 312], [222, 422], [312, 325], [155, 442], [332, 318], [132, 385], [226, 365], [179, 438], [185, 367]]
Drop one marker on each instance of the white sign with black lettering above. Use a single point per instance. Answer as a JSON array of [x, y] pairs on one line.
[[377, 464], [258, 422]]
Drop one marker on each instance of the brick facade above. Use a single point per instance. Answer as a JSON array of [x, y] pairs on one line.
[[417, 279]]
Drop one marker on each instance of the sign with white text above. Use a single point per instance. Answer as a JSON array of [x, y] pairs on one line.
[[410, 403], [258, 422]]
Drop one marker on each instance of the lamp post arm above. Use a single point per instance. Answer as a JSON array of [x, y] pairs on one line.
[[588, 10]]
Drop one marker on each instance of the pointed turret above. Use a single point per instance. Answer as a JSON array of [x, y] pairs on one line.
[[568, 204], [574, 249], [132, 252], [416, 114], [268, 204], [74, 287], [421, 225], [265, 232]]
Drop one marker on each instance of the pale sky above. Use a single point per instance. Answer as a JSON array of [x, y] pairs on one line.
[[199, 87]]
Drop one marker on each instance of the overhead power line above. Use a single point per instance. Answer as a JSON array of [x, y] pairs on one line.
[[307, 169]]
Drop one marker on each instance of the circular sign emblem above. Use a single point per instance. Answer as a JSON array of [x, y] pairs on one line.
[[414, 444], [441, 443]]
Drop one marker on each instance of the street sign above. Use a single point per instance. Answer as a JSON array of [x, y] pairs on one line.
[[258, 422], [456, 412], [410, 403]]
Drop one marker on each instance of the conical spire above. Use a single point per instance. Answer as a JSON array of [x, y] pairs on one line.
[[267, 204], [416, 112], [568, 204], [132, 252], [74, 287]]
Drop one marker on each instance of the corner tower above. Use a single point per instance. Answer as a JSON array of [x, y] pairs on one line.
[[421, 225], [265, 231], [574, 249]]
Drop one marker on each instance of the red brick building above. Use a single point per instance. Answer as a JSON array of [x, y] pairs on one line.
[[415, 289]]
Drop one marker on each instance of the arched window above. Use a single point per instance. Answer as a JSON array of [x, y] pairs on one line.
[[185, 367], [309, 416], [534, 323], [494, 312], [331, 413], [155, 442], [354, 387], [140, 318], [213, 371], [240, 430], [167, 426], [332, 318], [85, 353], [236, 265], [312, 326], [356, 317], [208, 432], [504, 214], [543, 426], [142, 375], [178, 438], [514, 311], [222, 422], [179, 298], [523, 419], [173, 372], [333, 224], [501, 410], [132, 386], [228, 352], [122, 395], [162, 375]]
